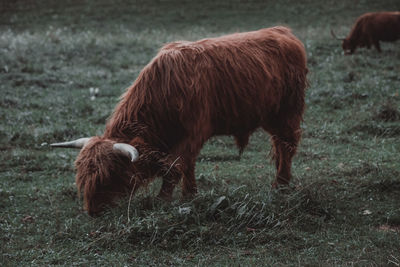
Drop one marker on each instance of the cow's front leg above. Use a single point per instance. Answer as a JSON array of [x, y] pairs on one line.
[[171, 172], [167, 188], [161, 164], [170, 178], [187, 151], [180, 168]]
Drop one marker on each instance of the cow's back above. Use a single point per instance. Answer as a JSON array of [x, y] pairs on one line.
[[235, 82], [381, 26], [390, 29]]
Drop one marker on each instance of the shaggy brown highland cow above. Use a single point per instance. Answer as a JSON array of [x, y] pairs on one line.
[[371, 28], [189, 92]]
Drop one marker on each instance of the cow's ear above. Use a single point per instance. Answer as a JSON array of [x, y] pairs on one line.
[[137, 141]]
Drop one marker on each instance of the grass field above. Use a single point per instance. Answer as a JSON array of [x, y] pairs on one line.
[[343, 207]]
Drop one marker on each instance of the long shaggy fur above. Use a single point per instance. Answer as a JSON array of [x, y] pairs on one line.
[[189, 92], [371, 28]]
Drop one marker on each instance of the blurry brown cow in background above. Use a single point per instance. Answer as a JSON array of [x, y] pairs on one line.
[[189, 92], [371, 28]]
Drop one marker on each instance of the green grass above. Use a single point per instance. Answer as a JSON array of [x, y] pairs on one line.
[[343, 207]]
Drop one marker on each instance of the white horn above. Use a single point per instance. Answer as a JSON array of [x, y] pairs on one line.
[[127, 150], [79, 143], [334, 36]]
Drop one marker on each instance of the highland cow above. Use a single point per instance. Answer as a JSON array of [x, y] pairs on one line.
[[191, 91], [371, 28]]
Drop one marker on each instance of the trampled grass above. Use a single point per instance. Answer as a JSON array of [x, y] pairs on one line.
[[343, 207]]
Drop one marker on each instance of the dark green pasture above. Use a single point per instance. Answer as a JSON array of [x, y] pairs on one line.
[[343, 205]]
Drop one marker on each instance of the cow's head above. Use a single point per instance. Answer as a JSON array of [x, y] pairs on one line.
[[103, 170], [347, 46]]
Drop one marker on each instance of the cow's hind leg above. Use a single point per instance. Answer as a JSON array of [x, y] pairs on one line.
[[285, 137]]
